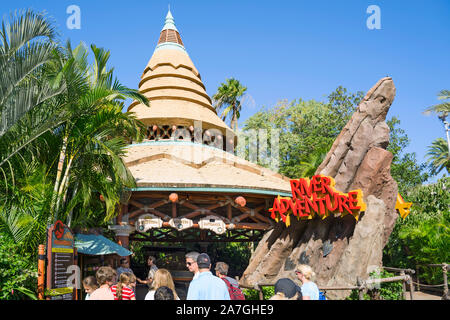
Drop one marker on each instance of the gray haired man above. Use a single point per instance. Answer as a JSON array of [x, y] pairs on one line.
[[191, 263]]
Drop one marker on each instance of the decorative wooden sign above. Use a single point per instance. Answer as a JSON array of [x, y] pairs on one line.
[[181, 224], [316, 196], [60, 256], [213, 223], [147, 222]]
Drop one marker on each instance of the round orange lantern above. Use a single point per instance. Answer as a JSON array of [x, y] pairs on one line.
[[191, 128], [241, 201], [173, 197], [155, 127], [102, 198]]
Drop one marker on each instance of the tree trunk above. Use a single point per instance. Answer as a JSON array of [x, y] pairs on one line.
[[62, 159]]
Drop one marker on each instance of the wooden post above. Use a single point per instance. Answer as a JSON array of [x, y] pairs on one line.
[[360, 288], [174, 210], [261, 294], [78, 280], [444, 270], [411, 288], [417, 277], [402, 273], [41, 271]]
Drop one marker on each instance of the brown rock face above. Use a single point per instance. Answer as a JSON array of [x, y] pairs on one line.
[[341, 249]]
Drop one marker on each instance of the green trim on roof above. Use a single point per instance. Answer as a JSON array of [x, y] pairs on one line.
[[205, 189], [170, 46]]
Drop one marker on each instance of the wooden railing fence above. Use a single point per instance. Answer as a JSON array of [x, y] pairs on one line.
[[406, 276]]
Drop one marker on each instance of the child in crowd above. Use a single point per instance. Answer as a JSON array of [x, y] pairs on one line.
[[123, 289], [105, 279], [89, 285]]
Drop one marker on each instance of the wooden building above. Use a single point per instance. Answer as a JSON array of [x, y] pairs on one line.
[[191, 187]]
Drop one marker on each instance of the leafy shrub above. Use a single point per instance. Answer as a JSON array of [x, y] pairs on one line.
[[18, 275], [253, 294], [424, 236]]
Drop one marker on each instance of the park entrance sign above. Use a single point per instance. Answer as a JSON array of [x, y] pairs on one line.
[[316, 196]]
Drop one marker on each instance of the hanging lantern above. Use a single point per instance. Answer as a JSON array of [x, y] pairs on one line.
[[208, 133], [102, 198], [173, 197], [155, 127], [241, 201], [219, 137], [174, 128], [191, 128]]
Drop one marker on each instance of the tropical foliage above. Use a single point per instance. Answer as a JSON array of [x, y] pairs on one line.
[[405, 168], [62, 134], [439, 156], [424, 236], [307, 130], [438, 153], [228, 97], [441, 109], [17, 272]]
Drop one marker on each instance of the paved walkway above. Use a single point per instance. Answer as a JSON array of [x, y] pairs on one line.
[[418, 295]]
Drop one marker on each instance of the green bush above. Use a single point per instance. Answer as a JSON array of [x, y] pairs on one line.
[[253, 294], [424, 236], [18, 272]]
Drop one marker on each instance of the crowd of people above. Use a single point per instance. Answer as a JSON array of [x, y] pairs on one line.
[[120, 284]]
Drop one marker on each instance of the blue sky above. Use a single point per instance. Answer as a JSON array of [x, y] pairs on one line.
[[282, 49]]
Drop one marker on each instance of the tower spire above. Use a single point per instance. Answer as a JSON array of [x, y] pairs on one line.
[[170, 37], [170, 22]]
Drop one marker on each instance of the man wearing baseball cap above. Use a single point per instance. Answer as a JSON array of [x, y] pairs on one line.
[[207, 286]]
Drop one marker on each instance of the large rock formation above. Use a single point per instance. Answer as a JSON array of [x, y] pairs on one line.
[[341, 249]]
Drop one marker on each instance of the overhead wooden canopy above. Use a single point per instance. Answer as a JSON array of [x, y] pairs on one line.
[[242, 223]]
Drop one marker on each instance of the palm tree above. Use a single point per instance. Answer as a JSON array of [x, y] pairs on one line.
[[314, 160], [227, 97], [27, 47], [94, 138], [64, 126], [438, 155], [442, 110]]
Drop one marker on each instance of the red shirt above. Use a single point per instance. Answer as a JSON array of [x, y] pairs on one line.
[[127, 293]]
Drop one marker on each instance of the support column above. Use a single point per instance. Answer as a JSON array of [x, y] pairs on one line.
[[122, 234]]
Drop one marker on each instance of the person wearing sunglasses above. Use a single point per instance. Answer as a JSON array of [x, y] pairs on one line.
[[191, 263]]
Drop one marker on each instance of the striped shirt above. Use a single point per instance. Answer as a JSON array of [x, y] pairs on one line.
[[127, 293]]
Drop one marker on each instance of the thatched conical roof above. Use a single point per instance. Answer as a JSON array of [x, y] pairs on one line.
[[174, 87]]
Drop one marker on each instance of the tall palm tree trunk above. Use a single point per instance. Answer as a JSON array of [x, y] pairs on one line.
[[62, 159]]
